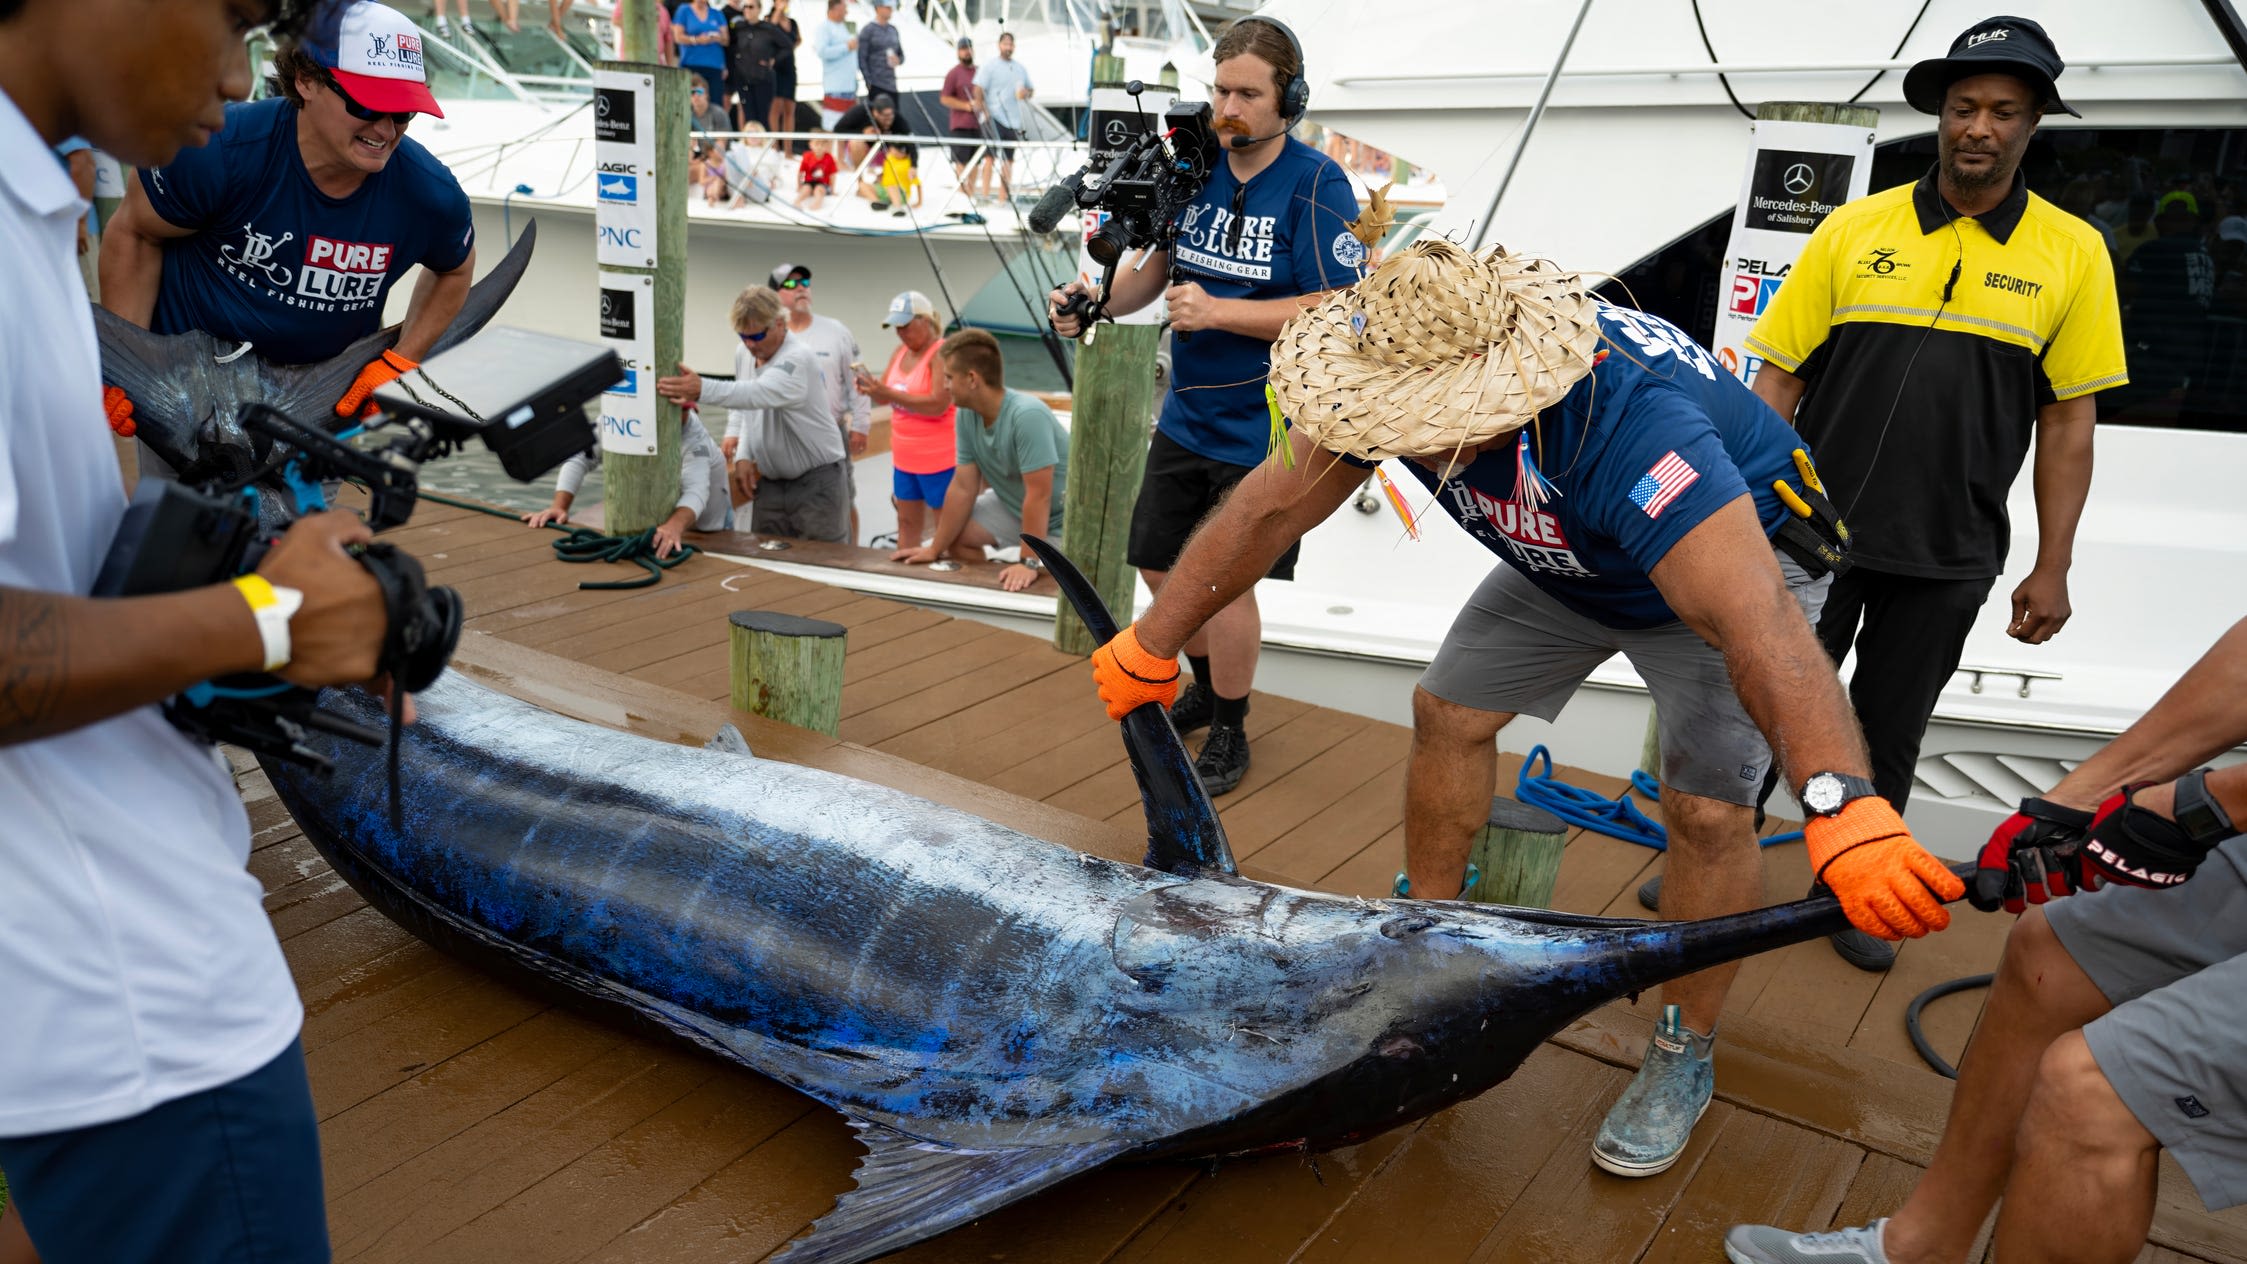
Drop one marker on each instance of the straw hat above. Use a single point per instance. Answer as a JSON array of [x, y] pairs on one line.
[[1437, 350]]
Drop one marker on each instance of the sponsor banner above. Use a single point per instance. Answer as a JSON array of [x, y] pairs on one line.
[[624, 168], [1797, 174], [1115, 124], [629, 408]]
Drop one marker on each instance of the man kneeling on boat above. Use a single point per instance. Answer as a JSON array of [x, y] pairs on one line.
[[1643, 501], [2113, 1028]]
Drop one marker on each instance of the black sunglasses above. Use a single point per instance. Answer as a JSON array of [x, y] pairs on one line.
[[360, 112]]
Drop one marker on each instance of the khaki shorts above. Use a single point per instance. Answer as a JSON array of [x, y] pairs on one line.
[[2174, 964], [1514, 649]]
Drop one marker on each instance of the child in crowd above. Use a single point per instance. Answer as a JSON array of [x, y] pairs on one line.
[[815, 175], [899, 178]]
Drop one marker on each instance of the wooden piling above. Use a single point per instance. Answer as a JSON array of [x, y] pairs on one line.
[[788, 669], [1112, 417], [643, 490], [1519, 855]]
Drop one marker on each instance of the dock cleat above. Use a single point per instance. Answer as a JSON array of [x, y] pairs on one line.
[[1647, 1128], [1763, 1244]]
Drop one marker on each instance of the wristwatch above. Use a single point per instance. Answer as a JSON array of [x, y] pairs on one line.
[[272, 607], [1032, 560], [1828, 792], [2197, 813]]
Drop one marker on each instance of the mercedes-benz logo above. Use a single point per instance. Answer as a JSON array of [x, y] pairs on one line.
[[600, 105], [1116, 133], [1799, 178]]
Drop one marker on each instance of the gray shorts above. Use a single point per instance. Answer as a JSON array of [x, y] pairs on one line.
[[2174, 963], [811, 506], [1513, 648]]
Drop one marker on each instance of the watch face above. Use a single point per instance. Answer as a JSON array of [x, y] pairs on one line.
[[1822, 793]]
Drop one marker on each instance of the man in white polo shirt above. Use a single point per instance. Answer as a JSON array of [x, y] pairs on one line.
[[154, 1103]]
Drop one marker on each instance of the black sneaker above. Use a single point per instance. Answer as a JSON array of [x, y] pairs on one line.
[[1650, 894], [1866, 952], [1224, 759], [1191, 710]]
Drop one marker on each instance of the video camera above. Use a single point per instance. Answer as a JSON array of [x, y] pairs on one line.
[[522, 394], [1143, 187]]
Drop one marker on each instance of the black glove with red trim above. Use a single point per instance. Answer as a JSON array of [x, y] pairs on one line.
[[2138, 847], [2034, 856]]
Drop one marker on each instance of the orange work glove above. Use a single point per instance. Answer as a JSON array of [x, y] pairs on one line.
[[1888, 884], [380, 372], [119, 409], [1129, 677]]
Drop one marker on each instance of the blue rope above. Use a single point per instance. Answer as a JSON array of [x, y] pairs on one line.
[[1617, 817]]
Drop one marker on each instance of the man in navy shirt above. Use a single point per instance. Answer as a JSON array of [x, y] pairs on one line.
[[288, 229], [1633, 489], [1269, 233]]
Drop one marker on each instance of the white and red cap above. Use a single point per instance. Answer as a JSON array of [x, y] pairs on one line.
[[376, 57]]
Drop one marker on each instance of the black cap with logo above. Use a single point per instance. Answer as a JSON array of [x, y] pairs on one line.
[[1992, 46], [789, 271]]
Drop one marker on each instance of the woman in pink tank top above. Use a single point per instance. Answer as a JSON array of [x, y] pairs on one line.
[[922, 444]]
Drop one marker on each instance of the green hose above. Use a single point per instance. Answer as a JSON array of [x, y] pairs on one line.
[[584, 544]]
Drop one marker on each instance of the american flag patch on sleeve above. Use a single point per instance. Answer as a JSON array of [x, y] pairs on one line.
[[1665, 482]]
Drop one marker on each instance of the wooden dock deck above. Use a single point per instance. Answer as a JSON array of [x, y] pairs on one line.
[[462, 1120]]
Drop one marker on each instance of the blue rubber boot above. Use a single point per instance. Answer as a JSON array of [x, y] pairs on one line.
[[1650, 1123]]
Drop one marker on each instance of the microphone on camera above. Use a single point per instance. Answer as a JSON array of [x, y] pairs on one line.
[[1066, 195]]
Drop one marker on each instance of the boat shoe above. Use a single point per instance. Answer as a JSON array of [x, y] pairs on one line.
[[1648, 1127], [1762, 1244]]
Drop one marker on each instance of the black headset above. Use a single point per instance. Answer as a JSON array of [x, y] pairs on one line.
[[1295, 97]]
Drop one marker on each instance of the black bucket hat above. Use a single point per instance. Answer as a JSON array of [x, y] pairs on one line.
[[2000, 45]]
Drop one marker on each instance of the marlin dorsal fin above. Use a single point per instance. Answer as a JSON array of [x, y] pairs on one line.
[[1183, 834], [909, 1190]]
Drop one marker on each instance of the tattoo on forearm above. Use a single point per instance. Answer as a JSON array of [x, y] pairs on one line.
[[33, 659]]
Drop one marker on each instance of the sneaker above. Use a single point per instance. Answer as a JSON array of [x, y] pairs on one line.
[[1224, 759], [1403, 888], [1191, 710], [1650, 894], [1866, 952], [1650, 1123], [1763, 1244]]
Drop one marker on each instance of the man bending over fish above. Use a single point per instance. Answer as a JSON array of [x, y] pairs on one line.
[[288, 229], [1644, 502]]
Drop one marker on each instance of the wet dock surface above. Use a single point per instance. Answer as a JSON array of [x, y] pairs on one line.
[[463, 1120]]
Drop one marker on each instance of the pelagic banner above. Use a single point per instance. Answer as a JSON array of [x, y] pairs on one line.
[[1797, 174], [624, 163], [1115, 124], [629, 408]]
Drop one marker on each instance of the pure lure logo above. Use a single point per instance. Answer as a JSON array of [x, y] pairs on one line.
[[402, 50]]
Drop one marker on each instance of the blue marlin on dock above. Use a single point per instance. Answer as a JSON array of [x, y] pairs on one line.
[[992, 1013]]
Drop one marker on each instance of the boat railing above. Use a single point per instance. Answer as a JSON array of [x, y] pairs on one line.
[[1038, 164], [1705, 68]]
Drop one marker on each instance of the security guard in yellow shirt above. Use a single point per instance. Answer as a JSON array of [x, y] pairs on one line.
[[1926, 332]]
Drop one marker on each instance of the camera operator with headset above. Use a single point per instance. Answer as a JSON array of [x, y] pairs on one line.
[[156, 1104], [1267, 235]]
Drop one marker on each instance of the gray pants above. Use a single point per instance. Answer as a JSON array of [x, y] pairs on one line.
[[1515, 649], [814, 505]]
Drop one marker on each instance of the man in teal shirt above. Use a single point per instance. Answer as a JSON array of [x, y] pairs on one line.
[[1013, 463]]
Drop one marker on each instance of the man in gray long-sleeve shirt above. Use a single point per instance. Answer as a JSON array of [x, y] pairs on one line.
[[789, 459], [880, 50]]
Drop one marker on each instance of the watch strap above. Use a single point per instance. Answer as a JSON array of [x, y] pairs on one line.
[[2197, 813], [272, 607]]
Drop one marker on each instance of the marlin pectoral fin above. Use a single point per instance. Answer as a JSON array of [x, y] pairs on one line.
[[1183, 833], [910, 1190], [150, 369], [729, 739]]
